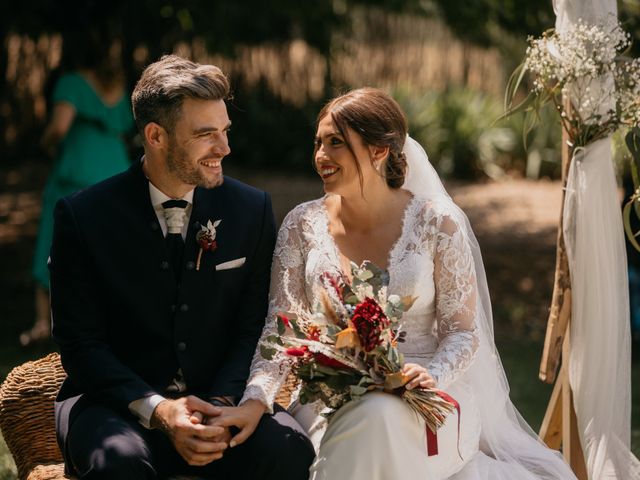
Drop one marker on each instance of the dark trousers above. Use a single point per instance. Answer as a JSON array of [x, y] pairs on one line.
[[102, 444]]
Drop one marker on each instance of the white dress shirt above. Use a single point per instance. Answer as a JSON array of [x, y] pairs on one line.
[[143, 408]]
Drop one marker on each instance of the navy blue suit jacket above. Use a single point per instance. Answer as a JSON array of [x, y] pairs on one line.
[[123, 325]]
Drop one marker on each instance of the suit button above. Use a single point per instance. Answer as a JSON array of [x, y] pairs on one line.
[[184, 307], [190, 265], [196, 225], [182, 346], [154, 226], [164, 265]]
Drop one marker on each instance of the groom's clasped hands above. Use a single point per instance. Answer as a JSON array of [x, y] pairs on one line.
[[189, 423], [200, 431]]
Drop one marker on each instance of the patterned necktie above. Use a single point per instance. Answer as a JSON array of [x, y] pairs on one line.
[[174, 214]]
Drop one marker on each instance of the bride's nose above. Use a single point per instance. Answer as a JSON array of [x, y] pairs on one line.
[[320, 153]]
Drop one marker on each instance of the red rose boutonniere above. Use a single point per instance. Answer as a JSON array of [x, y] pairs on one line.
[[206, 238]]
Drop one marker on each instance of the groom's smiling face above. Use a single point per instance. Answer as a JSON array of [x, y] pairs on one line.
[[199, 142]]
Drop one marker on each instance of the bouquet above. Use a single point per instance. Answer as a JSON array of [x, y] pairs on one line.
[[348, 345]]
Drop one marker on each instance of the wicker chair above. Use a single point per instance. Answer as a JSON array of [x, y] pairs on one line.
[[27, 417]]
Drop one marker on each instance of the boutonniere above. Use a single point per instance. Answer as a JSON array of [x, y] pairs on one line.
[[206, 238]]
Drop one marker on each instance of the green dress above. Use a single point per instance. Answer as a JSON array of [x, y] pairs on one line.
[[92, 150]]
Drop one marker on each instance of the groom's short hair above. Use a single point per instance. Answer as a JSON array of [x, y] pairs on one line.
[[165, 84]]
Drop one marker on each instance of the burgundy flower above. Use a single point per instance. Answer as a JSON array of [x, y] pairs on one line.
[[206, 239], [206, 243], [369, 320]]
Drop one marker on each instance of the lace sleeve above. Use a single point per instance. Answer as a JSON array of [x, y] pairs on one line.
[[287, 294], [456, 294]]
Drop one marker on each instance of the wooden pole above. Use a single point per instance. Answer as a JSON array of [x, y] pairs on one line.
[[560, 311], [559, 428], [571, 447], [551, 428], [560, 425]]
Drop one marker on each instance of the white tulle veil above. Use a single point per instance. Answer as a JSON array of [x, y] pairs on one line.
[[511, 448]]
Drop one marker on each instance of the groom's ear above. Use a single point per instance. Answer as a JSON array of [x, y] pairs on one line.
[[155, 136]]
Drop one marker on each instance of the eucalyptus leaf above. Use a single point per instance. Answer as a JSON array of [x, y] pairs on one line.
[[393, 356], [275, 339], [266, 352], [326, 370], [296, 330], [351, 299], [357, 391], [333, 330], [364, 275], [281, 326]]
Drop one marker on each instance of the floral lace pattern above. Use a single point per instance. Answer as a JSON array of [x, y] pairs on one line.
[[430, 260]]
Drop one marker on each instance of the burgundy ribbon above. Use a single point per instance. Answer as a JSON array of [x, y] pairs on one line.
[[432, 437]]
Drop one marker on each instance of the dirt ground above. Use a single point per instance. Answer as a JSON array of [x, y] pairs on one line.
[[515, 223]]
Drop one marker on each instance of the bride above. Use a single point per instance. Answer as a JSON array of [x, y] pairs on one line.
[[385, 203]]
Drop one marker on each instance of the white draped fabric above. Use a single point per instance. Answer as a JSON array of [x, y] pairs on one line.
[[600, 355]]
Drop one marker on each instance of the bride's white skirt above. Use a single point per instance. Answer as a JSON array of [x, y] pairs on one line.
[[380, 438]]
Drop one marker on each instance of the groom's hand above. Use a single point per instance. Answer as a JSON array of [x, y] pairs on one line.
[[245, 417], [198, 443]]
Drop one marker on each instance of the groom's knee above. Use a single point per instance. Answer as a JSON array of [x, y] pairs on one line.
[[103, 445], [118, 459]]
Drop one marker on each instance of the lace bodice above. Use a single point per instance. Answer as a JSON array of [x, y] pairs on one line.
[[430, 260]]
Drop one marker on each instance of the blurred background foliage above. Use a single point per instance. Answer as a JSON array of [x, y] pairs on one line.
[[445, 60]]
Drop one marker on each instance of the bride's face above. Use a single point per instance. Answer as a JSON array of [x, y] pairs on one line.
[[337, 165]]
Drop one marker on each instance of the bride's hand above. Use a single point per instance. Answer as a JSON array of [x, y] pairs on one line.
[[245, 417], [418, 376]]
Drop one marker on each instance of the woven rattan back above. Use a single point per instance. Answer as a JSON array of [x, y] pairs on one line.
[[26, 416], [286, 391]]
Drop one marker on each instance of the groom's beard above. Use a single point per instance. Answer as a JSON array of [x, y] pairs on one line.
[[186, 170]]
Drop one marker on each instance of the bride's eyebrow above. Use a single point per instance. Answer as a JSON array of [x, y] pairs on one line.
[[330, 134]]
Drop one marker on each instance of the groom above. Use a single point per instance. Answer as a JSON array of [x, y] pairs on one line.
[[159, 284]]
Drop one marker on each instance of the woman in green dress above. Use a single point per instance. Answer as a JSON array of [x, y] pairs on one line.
[[91, 114]]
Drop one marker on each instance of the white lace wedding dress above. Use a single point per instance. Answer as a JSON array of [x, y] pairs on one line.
[[379, 437]]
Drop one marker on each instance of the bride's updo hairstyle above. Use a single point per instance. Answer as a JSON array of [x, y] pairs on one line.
[[379, 120]]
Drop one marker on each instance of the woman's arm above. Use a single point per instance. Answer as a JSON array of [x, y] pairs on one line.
[[287, 295], [456, 296], [58, 126]]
